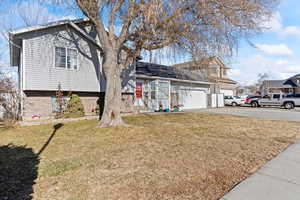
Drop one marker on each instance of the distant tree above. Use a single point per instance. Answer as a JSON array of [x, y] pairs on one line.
[[20, 13], [262, 77], [9, 97], [255, 87]]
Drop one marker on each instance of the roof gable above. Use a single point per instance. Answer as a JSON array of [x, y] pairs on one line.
[[294, 81], [203, 63]]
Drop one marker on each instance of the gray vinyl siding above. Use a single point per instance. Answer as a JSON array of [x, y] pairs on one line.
[[39, 62]]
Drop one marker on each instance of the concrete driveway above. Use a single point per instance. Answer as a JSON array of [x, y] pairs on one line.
[[265, 113]]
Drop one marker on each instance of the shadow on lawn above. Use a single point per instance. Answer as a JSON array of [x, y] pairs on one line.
[[19, 170]]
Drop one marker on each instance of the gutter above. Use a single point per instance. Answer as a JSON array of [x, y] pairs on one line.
[[173, 79]]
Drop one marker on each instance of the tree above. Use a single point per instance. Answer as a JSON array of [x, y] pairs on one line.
[[199, 27], [20, 13], [261, 77], [9, 97]]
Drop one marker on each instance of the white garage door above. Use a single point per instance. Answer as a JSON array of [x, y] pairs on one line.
[[191, 99], [227, 92]]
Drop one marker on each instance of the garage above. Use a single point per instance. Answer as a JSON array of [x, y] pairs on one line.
[[161, 87], [192, 99]]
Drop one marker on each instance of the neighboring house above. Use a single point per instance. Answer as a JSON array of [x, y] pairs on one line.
[[275, 86], [243, 90], [67, 54], [294, 82], [214, 70], [288, 86]]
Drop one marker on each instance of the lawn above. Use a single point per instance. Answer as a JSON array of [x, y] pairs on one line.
[[176, 156]]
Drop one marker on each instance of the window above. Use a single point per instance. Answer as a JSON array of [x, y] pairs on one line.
[[55, 105], [276, 96], [66, 58], [72, 59], [153, 90], [163, 90], [60, 57]]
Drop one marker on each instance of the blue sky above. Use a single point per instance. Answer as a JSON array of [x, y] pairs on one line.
[[277, 51], [278, 48]]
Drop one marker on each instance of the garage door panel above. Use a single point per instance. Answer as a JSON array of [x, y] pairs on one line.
[[192, 99]]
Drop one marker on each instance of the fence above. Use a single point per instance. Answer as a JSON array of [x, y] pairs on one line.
[[215, 100]]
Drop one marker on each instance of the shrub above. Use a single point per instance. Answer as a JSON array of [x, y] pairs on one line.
[[74, 108]]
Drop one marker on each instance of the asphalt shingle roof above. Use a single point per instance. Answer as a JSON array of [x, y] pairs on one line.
[[293, 81], [151, 69], [276, 84]]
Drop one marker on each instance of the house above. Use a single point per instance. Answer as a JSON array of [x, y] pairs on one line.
[[166, 87], [67, 55], [288, 86], [294, 82], [275, 86], [214, 70]]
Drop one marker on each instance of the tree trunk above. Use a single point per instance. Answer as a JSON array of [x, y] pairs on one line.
[[112, 104]]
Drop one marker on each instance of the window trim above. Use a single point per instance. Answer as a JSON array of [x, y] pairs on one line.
[[66, 59]]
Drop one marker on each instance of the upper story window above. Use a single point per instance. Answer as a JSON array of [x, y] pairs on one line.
[[66, 58], [225, 72], [214, 71]]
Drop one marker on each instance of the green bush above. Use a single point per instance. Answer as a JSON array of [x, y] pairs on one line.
[[74, 107]]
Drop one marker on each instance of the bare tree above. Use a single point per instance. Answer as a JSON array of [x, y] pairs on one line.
[[9, 98], [199, 27], [20, 13]]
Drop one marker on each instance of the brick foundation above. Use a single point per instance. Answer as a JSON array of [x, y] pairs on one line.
[[37, 105]]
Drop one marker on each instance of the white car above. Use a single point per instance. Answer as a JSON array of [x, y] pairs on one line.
[[234, 100]]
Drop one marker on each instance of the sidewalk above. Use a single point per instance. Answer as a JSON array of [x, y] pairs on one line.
[[279, 179]]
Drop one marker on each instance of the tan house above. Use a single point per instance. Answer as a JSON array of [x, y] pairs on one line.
[[214, 70]]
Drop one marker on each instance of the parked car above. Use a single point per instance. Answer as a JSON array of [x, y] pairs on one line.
[[287, 101], [233, 100], [253, 100]]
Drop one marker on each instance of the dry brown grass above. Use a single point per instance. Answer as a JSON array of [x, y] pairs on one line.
[[178, 156]]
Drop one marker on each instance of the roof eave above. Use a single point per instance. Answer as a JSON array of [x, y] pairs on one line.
[[45, 26], [174, 79]]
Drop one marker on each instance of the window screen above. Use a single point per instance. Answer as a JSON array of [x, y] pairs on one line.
[[71, 59], [163, 90], [60, 57], [66, 58], [153, 90]]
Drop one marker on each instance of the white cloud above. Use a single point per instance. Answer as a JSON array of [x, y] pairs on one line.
[[274, 24], [291, 31], [250, 67], [276, 50]]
